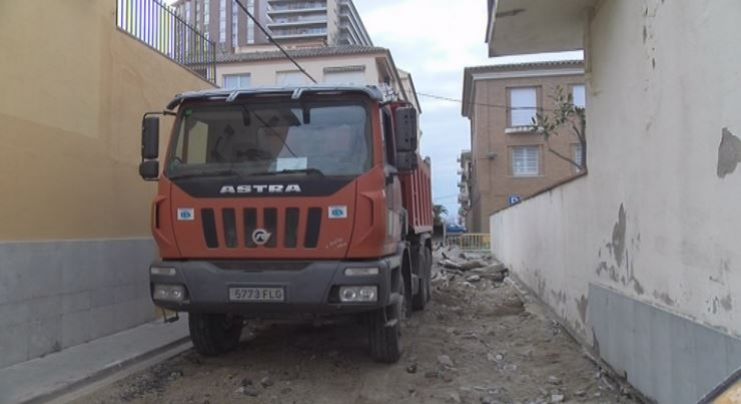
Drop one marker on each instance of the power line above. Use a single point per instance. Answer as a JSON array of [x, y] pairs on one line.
[[302, 70], [271, 39], [445, 197], [440, 97]]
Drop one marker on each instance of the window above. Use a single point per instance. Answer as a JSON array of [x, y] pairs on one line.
[[526, 161], [268, 139], [250, 24], [524, 105], [576, 155], [222, 21], [235, 25], [206, 14], [290, 78], [579, 95], [232, 81], [188, 7]]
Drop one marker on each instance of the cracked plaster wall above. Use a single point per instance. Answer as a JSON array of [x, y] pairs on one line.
[[657, 218]]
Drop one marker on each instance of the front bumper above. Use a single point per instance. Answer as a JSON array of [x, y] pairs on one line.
[[310, 287]]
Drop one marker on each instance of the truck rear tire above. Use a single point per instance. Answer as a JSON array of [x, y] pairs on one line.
[[428, 255], [419, 301], [384, 326], [214, 334]]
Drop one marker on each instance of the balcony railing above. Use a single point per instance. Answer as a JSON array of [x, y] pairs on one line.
[[299, 6], [314, 19], [158, 26], [288, 32]]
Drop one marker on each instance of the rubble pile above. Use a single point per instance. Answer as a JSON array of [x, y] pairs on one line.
[[454, 265]]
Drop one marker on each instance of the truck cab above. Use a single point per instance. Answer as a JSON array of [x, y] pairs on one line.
[[294, 202]]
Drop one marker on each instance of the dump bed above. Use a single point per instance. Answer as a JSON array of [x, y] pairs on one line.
[[417, 197]]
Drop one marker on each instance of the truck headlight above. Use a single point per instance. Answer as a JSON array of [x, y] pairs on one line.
[[172, 293], [349, 294], [361, 271], [168, 271]]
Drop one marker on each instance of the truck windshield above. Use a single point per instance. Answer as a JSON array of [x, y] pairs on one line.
[[271, 139]]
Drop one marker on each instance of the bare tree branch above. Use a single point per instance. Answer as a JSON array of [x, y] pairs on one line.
[[577, 132], [561, 156], [565, 113]]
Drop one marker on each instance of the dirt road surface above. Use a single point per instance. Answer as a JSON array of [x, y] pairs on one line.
[[476, 342]]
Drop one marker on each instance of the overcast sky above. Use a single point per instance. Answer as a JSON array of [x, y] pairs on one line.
[[435, 40]]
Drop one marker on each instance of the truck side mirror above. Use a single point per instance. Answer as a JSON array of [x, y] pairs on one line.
[[150, 137], [149, 169], [405, 129], [406, 161]]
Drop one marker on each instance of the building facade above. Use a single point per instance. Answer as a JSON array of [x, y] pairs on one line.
[[510, 159], [640, 257], [297, 23], [341, 65], [464, 190], [75, 240]]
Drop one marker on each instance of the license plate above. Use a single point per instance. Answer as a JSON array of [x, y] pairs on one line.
[[243, 294]]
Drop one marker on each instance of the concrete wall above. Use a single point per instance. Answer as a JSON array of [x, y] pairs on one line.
[[74, 239], [641, 257]]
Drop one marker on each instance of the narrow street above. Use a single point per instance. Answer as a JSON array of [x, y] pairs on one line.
[[477, 342]]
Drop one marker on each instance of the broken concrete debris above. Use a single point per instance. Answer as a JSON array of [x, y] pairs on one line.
[[266, 382], [445, 360], [554, 380], [468, 268], [476, 342], [250, 391]]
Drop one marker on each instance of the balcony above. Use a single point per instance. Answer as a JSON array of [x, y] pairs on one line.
[[533, 26], [299, 21], [524, 129], [277, 7], [299, 33]]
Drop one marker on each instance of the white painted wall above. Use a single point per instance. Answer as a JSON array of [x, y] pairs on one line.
[[656, 111]]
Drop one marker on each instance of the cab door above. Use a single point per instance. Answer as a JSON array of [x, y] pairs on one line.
[[395, 217]]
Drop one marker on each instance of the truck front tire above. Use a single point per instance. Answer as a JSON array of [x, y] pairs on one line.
[[384, 326], [385, 340], [214, 334]]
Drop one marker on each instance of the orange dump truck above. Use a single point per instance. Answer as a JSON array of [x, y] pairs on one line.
[[299, 203]]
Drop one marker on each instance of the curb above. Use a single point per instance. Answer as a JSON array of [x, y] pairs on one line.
[[172, 348]]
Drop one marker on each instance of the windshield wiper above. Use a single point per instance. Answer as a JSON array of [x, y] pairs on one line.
[[296, 171], [206, 173]]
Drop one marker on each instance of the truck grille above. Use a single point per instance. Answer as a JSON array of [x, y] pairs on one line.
[[238, 226]]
